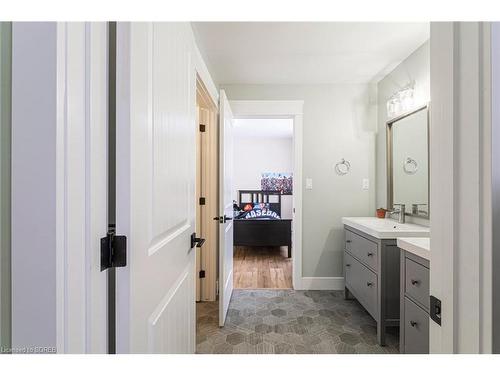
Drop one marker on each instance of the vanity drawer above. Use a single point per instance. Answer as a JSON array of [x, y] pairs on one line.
[[363, 249], [362, 283], [417, 282], [416, 340]]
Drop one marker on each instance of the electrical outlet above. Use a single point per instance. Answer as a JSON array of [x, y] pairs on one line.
[[366, 184], [309, 183]]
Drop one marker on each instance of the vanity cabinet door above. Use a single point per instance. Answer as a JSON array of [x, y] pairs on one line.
[[417, 282], [362, 283], [416, 323], [362, 248]]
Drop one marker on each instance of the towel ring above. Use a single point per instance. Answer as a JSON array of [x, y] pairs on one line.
[[410, 166], [342, 167]]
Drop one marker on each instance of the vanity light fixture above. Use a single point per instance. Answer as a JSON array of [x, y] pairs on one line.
[[401, 101]]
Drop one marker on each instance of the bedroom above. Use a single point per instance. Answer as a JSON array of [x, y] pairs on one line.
[[262, 180]]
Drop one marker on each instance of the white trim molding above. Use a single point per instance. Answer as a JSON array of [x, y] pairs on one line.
[[266, 108], [322, 283], [284, 109], [460, 190]]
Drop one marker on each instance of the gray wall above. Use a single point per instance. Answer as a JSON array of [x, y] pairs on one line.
[[5, 136], [34, 164], [415, 67], [336, 125]]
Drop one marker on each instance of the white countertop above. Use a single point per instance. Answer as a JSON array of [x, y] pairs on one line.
[[417, 246], [385, 228]]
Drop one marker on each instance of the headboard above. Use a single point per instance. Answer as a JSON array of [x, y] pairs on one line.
[[260, 196]]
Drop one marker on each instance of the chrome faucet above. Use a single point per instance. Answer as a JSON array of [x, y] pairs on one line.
[[400, 212]]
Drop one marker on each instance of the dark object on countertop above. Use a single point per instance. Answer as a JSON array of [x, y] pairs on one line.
[[381, 213]]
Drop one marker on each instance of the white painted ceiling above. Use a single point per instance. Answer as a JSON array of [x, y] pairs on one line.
[[305, 52], [263, 128]]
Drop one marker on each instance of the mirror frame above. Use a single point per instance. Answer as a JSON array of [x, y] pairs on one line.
[[389, 139]]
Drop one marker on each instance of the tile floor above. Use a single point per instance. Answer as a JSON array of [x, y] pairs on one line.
[[289, 321]]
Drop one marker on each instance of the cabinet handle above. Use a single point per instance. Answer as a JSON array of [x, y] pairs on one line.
[[415, 282], [413, 323], [348, 241], [369, 284], [370, 254], [348, 265]]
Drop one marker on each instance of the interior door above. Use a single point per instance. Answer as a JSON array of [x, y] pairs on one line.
[[226, 207], [156, 121]]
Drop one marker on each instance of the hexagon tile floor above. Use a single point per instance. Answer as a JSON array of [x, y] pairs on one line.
[[288, 321]]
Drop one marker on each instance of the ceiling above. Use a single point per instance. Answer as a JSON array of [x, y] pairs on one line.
[[305, 52], [263, 128]]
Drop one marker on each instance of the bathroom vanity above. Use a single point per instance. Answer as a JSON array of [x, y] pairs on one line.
[[372, 266], [414, 295]]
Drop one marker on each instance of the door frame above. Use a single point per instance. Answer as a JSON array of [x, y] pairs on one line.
[[284, 109], [461, 186], [59, 192], [210, 186]]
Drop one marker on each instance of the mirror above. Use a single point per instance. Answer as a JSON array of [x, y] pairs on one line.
[[408, 162]]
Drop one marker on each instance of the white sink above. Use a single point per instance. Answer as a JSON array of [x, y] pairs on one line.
[[417, 246], [385, 228]]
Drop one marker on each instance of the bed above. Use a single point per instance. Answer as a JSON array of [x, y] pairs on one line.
[[266, 230]]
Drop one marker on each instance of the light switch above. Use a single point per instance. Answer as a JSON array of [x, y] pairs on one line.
[[309, 183], [366, 183]]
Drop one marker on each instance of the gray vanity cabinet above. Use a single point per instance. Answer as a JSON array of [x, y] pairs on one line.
[[371, 268], [414, 295]]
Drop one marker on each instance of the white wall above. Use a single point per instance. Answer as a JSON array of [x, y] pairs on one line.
[[59, 186], [335, 126], [415, 67], [254, 155], [34, 203]]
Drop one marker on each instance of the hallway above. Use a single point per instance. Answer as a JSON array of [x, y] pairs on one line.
[[262, 267], [287, 322]]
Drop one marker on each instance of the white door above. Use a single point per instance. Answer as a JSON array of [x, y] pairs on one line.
[[155, 179], [226, 207]]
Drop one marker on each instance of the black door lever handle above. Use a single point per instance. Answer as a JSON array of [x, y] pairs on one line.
[[223, 219], [196, 241]]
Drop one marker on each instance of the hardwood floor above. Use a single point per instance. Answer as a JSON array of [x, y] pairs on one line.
[[262, 267]]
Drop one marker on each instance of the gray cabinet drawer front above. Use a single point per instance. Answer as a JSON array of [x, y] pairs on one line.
[[416, 323], [362, 283], [363, 249], [417, 282]]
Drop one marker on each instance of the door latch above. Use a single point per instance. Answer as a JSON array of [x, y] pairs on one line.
[[113, 250], [435, 309]]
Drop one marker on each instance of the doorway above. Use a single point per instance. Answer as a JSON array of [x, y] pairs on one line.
[[287, 113], [263, 187], [206, 193]]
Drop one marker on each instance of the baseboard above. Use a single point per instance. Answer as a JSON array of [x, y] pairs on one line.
[[321, 283]]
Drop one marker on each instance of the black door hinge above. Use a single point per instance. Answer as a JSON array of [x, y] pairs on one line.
[[202, 274], [202, 128], [435, 309], [113, 250], [202, 201]]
